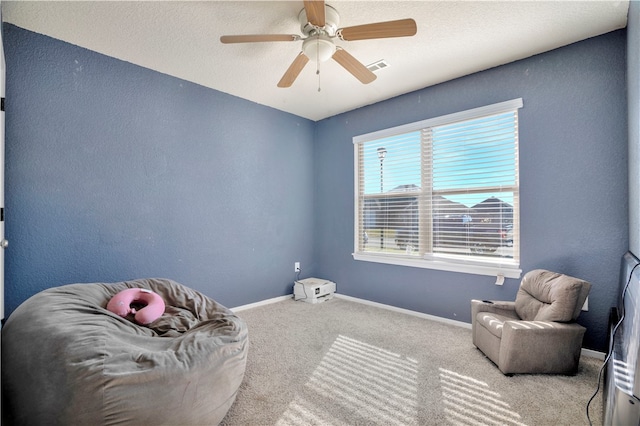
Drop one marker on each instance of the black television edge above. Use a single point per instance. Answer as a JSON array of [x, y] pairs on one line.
[[621, 404]]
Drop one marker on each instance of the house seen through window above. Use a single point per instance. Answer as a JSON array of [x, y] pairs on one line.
[[441, 190]]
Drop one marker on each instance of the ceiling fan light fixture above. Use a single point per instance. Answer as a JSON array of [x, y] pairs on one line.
[[318, 48]]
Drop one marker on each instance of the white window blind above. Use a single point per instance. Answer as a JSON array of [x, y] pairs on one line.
[[441, 190]]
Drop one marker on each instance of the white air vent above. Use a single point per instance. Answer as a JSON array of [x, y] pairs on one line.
[[378, 65]]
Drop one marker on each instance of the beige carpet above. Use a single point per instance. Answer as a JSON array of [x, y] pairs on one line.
[[347, 363]]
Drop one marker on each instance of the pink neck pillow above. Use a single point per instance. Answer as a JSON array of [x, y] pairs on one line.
[[146, 305]]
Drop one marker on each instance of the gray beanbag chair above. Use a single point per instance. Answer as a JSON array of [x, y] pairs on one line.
[[67, 360]]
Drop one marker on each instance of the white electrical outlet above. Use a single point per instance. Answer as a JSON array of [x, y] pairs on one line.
[[296, 267]]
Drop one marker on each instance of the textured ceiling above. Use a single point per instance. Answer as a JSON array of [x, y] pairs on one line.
[[455, 38]]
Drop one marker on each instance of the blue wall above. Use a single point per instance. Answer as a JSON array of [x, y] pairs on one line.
[[573, 176], [633, 97], [116, 172]]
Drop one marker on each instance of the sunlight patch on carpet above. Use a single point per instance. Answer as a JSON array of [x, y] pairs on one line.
[[372, 383], [470, 402]]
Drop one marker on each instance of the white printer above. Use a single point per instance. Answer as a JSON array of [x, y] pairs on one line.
[[313, 290]]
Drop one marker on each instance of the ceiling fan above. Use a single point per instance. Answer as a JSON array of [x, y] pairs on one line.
[[319, 24]]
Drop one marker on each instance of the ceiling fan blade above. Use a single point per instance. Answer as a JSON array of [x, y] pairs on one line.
[[315, 12], [294, 69], [254, 38], [354, 66], [400, 28]]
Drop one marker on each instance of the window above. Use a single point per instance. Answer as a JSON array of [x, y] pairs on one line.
[[442, 193]]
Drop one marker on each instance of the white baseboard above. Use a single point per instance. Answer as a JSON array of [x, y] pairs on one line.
[[405, 311], [585, 352], [593, 354], [261, 303]]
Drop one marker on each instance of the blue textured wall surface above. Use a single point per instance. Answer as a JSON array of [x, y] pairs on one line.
[[573, 176], [115, 172], [633, 98]]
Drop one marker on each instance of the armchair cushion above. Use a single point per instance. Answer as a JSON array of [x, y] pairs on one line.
[[494, 323], [550, 296]]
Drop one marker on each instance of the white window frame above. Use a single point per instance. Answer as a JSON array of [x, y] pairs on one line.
[[505, 267]]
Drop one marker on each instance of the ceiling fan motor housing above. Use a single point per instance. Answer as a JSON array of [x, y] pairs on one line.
[[318, 45], [331, 17]]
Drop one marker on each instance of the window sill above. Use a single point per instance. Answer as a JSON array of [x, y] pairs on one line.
[[491, 269]]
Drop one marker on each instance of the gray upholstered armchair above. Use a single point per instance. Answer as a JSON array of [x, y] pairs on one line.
[[537, 333]]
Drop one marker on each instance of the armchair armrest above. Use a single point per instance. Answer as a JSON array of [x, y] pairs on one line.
[[499, 307], [540, 347]]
